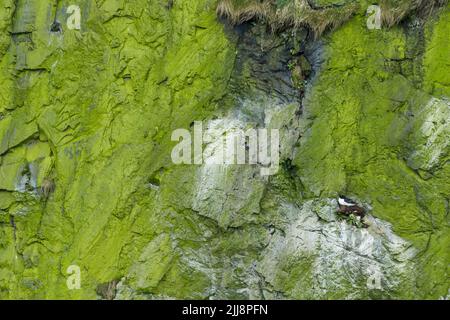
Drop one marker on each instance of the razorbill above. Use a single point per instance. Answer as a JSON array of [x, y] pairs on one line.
[[347, 207], [343, 201]]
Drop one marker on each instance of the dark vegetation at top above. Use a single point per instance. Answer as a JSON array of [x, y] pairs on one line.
[[282, 14]]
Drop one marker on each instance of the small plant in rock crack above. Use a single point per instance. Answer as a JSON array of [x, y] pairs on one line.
[[297, 76], [354, 220], [294, 52], [291, 65]]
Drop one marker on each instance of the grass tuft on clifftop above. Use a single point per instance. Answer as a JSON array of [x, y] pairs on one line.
[[281, 14], [394, 11]]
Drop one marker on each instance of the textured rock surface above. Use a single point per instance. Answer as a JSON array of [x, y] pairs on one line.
[[86, 177]]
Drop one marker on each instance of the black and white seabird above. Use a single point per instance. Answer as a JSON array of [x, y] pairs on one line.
[[343, 201], [347, 206]]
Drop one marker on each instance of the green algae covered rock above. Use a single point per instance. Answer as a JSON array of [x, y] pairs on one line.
[[377, 134], [91, 91], [102, 101]]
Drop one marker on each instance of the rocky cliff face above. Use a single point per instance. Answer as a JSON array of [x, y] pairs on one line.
[[86, 178]]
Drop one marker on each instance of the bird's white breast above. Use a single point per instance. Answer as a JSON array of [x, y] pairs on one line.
[[342, 202]]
